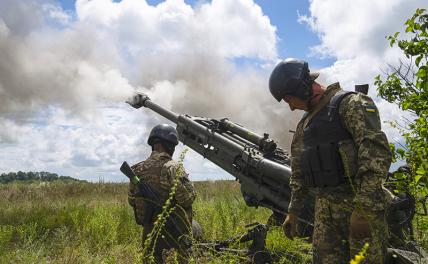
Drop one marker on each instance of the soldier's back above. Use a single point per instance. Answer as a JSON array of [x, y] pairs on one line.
[[150, 170]]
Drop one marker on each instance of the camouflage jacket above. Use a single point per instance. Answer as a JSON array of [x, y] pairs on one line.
[[367, 155], [162, 173]]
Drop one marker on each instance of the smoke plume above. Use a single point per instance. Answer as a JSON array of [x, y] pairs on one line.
[[184, 57]]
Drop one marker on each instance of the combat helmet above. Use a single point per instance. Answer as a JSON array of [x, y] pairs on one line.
[[291, 77], [163, 133]]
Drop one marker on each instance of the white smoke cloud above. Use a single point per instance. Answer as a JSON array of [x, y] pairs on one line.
[[61, 72], [53, 66], [113, 48]]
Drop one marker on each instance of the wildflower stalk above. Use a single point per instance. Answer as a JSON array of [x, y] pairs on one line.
[[162, 218]]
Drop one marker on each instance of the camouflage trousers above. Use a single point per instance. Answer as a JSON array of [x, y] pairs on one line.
[[332, 243], [165, 246]]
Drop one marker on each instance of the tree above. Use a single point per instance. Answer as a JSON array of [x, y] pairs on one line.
[[407, 86], [32, 177]]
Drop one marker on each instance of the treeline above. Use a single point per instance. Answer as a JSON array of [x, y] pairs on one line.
[[33, 176]]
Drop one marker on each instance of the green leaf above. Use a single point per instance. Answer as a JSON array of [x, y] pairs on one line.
[[399, 175], [400, 152], [420, 171], [419, 11], [422, 73], [417, 178], [418, 60]]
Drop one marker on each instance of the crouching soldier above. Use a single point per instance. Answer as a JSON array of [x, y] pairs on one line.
[[162, 174]]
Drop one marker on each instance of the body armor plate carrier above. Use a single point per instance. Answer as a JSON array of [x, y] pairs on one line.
[[321, 164]]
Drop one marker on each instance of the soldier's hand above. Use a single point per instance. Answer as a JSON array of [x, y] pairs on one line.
[[137, 100], [290, 225]]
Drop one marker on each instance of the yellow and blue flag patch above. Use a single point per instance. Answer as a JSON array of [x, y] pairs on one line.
[[370, 108]]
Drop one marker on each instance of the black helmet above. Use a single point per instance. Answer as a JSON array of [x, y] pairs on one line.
[[291, 77], [163, 133]]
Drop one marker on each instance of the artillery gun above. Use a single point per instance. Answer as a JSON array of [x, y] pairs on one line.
[[260, 166]]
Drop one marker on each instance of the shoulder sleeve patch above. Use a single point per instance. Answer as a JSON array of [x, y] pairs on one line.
[[359, 110], [371, 116], [370, 108]]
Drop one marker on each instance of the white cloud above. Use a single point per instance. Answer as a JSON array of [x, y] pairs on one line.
[[347, 28], [57, 14], [353, 32], [91, 151], [226, 28], [226, 22], [9, 131], [4, 30], [61, 143]]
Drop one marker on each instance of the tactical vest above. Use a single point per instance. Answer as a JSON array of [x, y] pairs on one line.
[[150, 171], [321, 164], [155, 171]]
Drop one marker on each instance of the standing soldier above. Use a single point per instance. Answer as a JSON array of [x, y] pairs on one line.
[[340, 153], [162, 173]]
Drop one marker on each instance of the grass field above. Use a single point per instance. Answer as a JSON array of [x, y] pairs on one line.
[[81, 222]]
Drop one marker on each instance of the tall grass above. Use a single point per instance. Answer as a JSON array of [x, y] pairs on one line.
[[66, 223], [80, 222]]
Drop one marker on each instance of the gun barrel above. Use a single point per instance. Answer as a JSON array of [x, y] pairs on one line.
[[160, 110]]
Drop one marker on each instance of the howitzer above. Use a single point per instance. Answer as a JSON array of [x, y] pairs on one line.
[[260, 166]]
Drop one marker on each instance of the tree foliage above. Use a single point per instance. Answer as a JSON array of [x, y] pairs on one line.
[[407, 86], [32, 176]]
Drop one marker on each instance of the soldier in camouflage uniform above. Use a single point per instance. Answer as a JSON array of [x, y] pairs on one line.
[[340, 153], [162, 173]]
